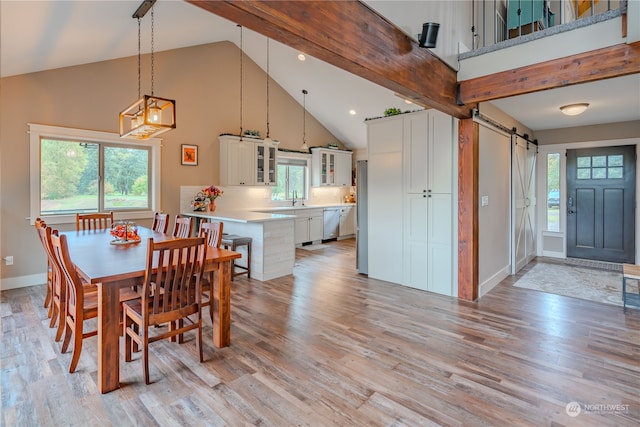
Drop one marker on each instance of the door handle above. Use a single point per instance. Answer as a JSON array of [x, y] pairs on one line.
[[570, 202]]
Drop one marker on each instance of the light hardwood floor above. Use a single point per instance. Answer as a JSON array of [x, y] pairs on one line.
[[327, 346]]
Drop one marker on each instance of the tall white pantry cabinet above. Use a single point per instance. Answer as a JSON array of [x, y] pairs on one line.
[[411, 175]]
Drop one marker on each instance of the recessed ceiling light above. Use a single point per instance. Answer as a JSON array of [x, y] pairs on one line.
[[352, 112], [301, 57], [574, 109]]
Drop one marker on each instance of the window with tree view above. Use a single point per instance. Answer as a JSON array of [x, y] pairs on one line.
[[77, 176], [292, 179]]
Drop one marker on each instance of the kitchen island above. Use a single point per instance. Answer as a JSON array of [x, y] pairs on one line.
[[273, 249]]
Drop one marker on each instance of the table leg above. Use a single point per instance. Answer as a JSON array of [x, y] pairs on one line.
[[221, 306], [108, 337]]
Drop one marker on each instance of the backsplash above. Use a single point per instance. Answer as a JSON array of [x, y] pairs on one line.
[[243, 198]]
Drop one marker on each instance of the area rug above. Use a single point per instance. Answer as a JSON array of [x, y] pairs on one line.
[[579, 282], [313, 247]]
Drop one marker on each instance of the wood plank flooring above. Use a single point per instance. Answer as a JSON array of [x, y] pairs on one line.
[[327, 346]]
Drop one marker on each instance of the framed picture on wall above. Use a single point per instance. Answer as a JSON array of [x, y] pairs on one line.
[[189, 155]]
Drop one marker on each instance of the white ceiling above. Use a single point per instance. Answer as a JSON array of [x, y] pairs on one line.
[[41, 35]]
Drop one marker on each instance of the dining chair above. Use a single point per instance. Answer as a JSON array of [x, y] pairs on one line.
[[212, 233], [94, 221], [81, 302], [160, 222], [58, 287], [182, 227], [40, 224], [170, 294]]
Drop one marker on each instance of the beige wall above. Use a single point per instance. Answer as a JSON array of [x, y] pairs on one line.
[[622, 130], [204, 81]]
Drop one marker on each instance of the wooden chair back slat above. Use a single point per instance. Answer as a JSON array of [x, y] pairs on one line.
[[160, 222], [212, 232], [94, 221], [182, 227]]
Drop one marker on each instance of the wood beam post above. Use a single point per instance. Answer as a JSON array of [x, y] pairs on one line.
[[355, 38], [468, 174]]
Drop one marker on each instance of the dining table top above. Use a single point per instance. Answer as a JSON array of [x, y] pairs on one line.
[[98, 259]]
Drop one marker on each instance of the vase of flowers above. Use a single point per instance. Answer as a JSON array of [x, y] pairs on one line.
[[212, 193]]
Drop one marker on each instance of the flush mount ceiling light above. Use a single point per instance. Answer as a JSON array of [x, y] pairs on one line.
[[150, 115], [304, 146], [301, 57], [574, 109]]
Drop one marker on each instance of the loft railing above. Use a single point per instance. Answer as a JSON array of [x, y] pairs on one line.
[[495, 21]]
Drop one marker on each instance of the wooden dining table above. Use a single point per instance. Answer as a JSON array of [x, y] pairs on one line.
[[112, 267]]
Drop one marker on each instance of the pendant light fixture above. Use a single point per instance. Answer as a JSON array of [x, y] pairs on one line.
[[304, 146], [267, 139], [150, 115]]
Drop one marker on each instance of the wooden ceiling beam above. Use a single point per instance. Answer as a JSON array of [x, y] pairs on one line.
[[600, 64], [351, 36]]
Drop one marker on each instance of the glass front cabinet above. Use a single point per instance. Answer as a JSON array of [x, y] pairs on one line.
[[266, 164], [331, 167]]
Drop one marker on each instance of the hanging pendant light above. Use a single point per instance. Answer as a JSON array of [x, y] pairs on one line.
[[304, 146], [267, 139], [150, 115]]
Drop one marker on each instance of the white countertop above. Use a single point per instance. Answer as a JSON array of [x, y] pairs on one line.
[[297, 207], [239, 216]]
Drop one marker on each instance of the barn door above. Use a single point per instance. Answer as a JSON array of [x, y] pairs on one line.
[[523, 158]]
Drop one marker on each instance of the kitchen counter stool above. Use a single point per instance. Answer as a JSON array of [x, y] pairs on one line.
[[232, 242]]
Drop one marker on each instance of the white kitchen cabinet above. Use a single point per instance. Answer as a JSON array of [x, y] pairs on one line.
[[411, 172], [330, 167], [266, 164], [308, 225], [236, 162], [247, 161], [347, 221]]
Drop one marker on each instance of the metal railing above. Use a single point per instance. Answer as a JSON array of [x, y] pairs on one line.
[[511, 19]]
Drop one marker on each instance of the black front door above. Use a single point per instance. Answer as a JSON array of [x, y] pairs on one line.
[[601, 203]]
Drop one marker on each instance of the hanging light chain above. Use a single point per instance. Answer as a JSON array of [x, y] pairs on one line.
[[153, 8], [139, 93], [267, 87], [241, 54]]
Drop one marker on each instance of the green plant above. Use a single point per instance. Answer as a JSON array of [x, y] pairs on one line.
[[392, 111]]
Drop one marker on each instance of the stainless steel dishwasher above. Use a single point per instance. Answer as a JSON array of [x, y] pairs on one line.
[[331, 223]]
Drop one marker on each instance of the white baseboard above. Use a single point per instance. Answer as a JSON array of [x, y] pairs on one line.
[[23, 281], [492, 281]]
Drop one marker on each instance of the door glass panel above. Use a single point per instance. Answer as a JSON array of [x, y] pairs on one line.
[[599, 161], [584, 173], [584, 162], [615, 160], [615, 172], [553, 192], [599, 173]]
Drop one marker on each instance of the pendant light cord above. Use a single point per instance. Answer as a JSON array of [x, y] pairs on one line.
[[241, 54], [152, 47], [267, 87], [139, 60], [304, 116]]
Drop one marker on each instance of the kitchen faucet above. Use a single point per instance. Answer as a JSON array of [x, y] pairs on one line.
[[295, 196]]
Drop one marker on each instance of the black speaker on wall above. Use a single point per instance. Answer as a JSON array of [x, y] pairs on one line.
[[429, 35]]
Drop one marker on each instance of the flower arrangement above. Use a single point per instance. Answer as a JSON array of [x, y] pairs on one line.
[[212, 192], [125, 231]]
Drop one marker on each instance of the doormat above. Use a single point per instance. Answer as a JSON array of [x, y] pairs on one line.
[[314, 247], [614, 266], [578, 282]]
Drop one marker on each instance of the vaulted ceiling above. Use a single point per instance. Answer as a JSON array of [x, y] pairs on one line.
[[40, 35]]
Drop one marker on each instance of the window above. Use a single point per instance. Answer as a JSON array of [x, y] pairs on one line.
[[293, 178], [600, 167], [553, 192], [74, 170]]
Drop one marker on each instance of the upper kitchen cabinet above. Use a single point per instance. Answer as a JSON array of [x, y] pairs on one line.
[[330, 167], [247, 161]]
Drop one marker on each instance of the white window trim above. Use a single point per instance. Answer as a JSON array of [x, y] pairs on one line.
[[37, 131], [306, 157]]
